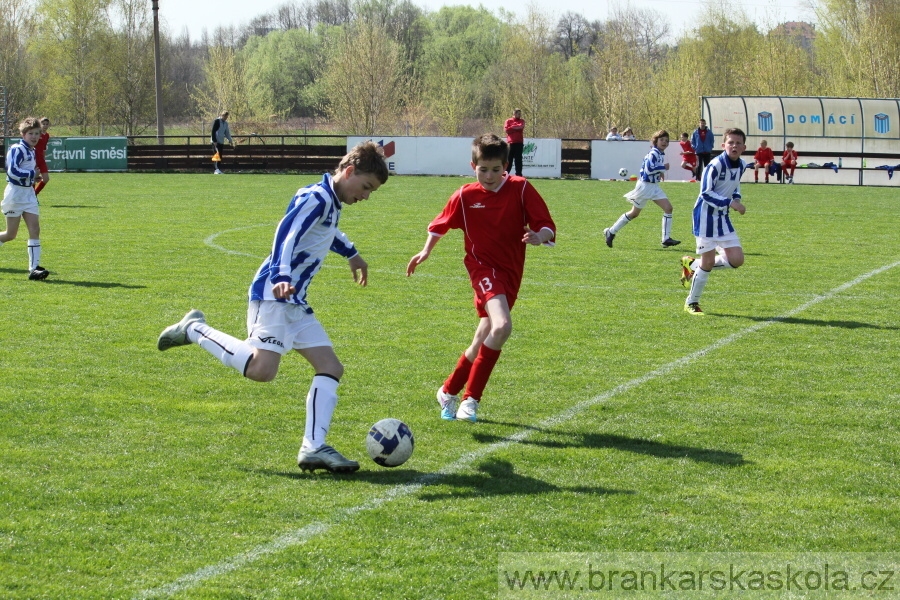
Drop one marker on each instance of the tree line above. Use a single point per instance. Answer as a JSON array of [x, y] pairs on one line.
[[390, 67]]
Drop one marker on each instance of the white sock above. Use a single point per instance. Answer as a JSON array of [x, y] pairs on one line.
[[320, 404], [622, 222], [230, 351], [698, 282], [666, 226], [34, 254]]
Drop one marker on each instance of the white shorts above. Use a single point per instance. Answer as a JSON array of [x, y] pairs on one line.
[[705, 244], [281, 327], [644, 192], [18, 200]]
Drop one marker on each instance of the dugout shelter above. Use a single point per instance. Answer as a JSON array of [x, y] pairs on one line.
[[859, 136]]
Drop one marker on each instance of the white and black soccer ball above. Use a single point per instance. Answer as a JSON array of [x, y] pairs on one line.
[[623, 172], [390, 442]]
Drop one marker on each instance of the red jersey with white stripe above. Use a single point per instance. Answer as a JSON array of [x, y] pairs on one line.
[[493, 224]]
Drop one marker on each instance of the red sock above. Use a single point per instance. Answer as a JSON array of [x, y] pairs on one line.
[[481, 371], [39, 186], [458, 377]]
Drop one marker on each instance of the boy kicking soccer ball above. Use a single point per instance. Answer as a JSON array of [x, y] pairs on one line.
[[278, 317], [718, 245]]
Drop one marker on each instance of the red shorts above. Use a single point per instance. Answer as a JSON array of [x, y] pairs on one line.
[[691, 160], [489, 283], [41, 165]]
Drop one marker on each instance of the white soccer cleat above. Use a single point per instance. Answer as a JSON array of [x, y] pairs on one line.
[[176, 335], [468, 410], [448, 404]]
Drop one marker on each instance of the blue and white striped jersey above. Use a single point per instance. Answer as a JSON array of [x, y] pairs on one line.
[[20, 164], [653, 167], [308, 230], [719, 186]]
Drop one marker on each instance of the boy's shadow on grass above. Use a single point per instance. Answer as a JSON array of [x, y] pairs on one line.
[[498, 478], [817, 322], [370, 473], [637, 445], [90, 284], [495, 478]]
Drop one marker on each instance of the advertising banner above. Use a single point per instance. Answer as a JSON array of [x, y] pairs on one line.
[[451, 156], [84, 153]]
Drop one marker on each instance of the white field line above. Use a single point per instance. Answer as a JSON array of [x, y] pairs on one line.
[[304, 534]]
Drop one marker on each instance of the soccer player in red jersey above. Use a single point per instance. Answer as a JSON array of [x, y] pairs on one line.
[[499, 214], [688, 156], [763, 159], [39, 151], [789, 161]]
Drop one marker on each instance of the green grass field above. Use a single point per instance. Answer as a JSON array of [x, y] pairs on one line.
[[613, 422]]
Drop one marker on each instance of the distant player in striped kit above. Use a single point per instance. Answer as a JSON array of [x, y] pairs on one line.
[[718, 245], [278, 317], [19, 200], [653, 170]]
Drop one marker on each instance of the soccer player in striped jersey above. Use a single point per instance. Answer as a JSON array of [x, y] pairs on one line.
[[19, 200], [718, 245], [499, 214], [652, 172], [279, 319]]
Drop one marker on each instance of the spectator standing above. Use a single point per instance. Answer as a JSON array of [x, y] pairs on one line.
[[628, 135], [702, 140], [220, 133], [613, 135], [515, 137]]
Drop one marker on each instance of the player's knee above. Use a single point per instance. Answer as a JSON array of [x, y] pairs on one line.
[[501, 331], [259, 371], [736, 261]]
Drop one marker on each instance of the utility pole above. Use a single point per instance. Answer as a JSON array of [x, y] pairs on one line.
[[160, 127]]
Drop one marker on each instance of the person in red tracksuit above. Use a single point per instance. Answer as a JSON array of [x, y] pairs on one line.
[[515, 137], [763, 159], [499, 215]]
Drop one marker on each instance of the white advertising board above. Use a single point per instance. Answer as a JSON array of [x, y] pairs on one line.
[[608, 157], [451, 156]]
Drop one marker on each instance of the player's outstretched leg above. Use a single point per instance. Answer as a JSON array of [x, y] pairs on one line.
[[176, 335], [325, 457]]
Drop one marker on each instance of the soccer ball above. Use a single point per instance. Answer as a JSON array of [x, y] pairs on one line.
[[623, 172], [390, 442]]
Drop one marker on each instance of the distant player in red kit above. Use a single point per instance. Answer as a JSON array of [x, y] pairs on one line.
[[39, 151], [688, 156], [499, 214]]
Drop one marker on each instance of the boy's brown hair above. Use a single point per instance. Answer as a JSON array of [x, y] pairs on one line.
[[789, 145], [662, 133], [735, 131], [684, 135], [366, 157], [29, 123], [490, 147]]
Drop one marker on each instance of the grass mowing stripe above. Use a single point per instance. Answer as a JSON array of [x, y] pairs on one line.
[[312, 530]]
